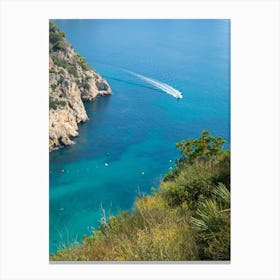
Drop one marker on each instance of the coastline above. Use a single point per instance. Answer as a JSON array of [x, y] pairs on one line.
[[71, 81]]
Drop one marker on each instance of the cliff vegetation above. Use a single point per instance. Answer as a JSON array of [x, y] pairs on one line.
[[71, 80], [186, 218]]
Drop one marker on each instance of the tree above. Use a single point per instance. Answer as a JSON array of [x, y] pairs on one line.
[[56, 38], [204, 148]]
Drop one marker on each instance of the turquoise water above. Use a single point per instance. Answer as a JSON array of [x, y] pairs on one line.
[[135, 129]]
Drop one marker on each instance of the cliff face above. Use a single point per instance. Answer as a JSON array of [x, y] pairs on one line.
[[71, 80]]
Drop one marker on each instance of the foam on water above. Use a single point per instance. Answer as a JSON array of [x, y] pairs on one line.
[[158, 84], [135, 131]]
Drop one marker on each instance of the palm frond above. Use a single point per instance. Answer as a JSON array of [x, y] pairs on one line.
[[223, 195], [198, 224]]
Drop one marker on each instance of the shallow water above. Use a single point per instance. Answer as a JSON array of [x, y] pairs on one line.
[[135, 130]]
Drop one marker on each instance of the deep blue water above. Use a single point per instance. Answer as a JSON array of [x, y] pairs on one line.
[[135, 129]]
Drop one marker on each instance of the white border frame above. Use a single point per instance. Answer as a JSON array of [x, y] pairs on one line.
[[254, 137]]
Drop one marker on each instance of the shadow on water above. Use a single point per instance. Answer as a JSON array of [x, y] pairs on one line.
[[96, 111], [93, 135], [97, 105], [136, 129]]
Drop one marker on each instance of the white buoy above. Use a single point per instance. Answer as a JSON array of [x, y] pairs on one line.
[[143, 173], [106, 164]]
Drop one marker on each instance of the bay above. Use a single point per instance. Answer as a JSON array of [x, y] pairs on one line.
[[128, 144]]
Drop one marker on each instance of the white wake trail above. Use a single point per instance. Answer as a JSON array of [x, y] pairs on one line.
[[164, 87]]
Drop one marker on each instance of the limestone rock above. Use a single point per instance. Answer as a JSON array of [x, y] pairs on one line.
[[71, 80]]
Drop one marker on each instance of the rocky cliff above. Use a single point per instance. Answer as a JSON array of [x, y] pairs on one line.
[[71, 80]]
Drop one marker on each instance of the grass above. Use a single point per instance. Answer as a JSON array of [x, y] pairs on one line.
[[187, 218]]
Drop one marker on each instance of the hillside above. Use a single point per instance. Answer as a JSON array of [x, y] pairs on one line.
[[186, 218], [71, 80]]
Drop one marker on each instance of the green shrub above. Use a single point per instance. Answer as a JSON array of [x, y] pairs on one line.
[[212, 222], [188, 218], [53, 87], [195, 182], [73, 71], [88, 78], [52, 71], [55, 104], [62, 95], [204, 148], [82, 62], [60, 61], [56, 38], [85, 84], [60, 80]]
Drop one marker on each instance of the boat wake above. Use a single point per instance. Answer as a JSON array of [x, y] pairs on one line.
[[160, 85]]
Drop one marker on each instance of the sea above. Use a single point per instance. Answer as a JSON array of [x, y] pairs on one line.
[[129, 142]]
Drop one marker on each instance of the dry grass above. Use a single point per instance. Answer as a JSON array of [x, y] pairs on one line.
[[187, 219]]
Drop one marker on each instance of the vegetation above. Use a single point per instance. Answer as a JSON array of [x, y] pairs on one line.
[[62, 95], [204, 148], [82, 62], [57, 42], [60, 62], [53, 87], [212, 221], [56, 38], [85, 84], [55, 103], [70, 67], [187, 218], [61, 53], [52, 71], [60, 80], [73, 71]]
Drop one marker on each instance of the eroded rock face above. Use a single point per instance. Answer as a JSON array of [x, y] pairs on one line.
[[71, 80], [62, 127]]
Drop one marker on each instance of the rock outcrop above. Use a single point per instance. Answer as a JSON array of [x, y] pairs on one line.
[[71, 80]]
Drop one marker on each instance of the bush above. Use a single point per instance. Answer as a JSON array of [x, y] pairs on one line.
[[187, 219], [60, 80], [82, 62], [56, 38], [85, 84], [53, 87], [212, 222], [54, 103], [60, 62], [73, 71], [204, 148], [195, 182], [52, 71], [62, 95]]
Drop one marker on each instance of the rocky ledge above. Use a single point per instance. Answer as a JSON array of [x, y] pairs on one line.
[[71, 80]]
